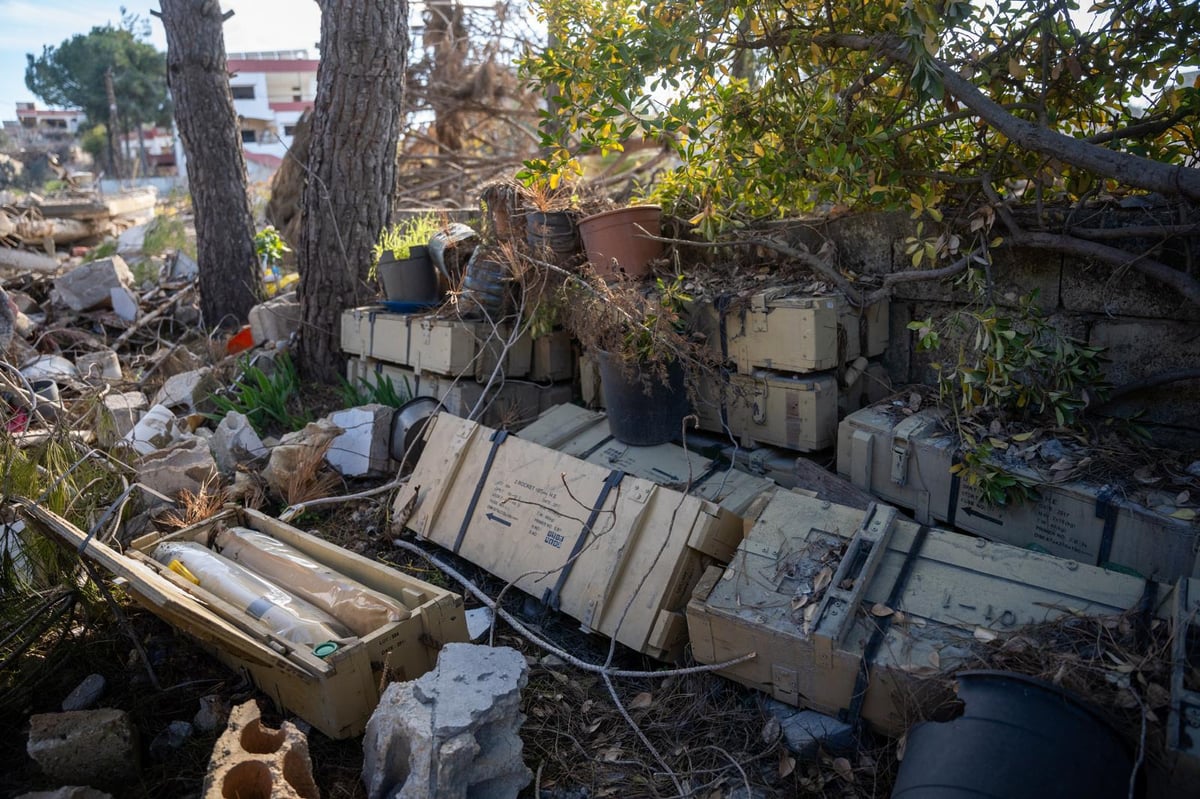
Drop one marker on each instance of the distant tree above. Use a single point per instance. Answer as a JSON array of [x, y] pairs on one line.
[[230, 280], [357, 118], [73, 75]]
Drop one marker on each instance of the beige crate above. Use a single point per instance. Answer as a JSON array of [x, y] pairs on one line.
[[553, 358], [618, 553], [907, 460], [809, 645], [798, 412], [437, 346], [335, 694], [584, 434]]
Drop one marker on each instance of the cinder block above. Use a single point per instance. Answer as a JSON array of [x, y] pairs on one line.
[[275, 320], [98, 747], [251, 759], [1016, 273], [1139, 348]]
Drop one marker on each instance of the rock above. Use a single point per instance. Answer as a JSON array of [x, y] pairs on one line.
[[118, 415], [131, 241], [452, 733], [213, 713], [97, 747], [96, 367], [294, 449], [184, 267], [250, 759], [364, 448], [125, 303], [89, 285], [187, 314], [172, 738], [807, 732], [235, 442], [155, 429], [275, 320], [86, 694], [49, 367], [68, 792], [185, 466], [188, 390]]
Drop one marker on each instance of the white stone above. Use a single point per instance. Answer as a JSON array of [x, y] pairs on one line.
[[132, 240], [185, 466], [50, 367], [188, 390], [293, 450], [125, 303], [96, 367], [89, 285], [275, 320], [119, 414], [97, 747], [453, 733], [154, 430], [235, 442], [86, 694], [183, 267], [364, 448]]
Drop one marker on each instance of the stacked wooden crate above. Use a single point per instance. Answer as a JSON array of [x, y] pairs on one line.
[[794, 363], [464, 364]]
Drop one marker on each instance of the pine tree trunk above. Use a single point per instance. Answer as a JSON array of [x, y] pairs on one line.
[[230, 282], [356, 122]]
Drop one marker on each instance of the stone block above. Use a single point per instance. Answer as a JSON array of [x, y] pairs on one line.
[[189, 390], [275, 320], [1016, 273], [1102, 289], [453, 733], [251, 759], [97, 747], [125, 303], [98, 367], [364, 446], [90, 285], [68, 792], [86, 694], [185, 466], [1140, 348], [235, 442]]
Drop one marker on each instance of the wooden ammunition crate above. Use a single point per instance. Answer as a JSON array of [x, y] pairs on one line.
[[798, 412], [553, 358], [950, 590], [618, 553], [437, 346], [906, 460], [337, 693], [584, 434]]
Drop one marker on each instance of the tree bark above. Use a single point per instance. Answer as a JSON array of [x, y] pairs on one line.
[[356, 123], [230, 281]]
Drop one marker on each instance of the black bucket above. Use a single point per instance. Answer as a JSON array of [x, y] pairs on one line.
[[642, 412], [486, 286], [552, 232], [1018, 738]]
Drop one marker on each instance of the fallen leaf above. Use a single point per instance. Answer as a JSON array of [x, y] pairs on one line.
[[985, 635], [1183, 498], [787, 763], [771, 730], [880, 609], [901, 745], [1144, 475], [1187, 514], [995, 428], [643, 700], [998, 443], [611, 755], [935, 659], [1019, 437], [823, 579], [842, 766], [591, 728], [800, 601], [1062, 465]]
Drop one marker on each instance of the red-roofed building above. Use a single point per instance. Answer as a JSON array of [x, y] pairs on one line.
[[49, 121], [270, 92]]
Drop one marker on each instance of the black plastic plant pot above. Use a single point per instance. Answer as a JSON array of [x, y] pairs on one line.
[[1017, 738], [553, 231], [643, 410], [412, 280]]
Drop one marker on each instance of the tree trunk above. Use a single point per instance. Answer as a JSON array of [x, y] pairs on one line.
[[230, 282], [356, 122]]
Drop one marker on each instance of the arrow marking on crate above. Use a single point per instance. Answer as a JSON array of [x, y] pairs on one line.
[[499, 519], [984, 516]]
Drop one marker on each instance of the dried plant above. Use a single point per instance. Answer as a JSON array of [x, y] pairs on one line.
[[196, 507], [310, 479]]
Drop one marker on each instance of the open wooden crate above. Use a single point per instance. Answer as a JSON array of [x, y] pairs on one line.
[[337, 693]]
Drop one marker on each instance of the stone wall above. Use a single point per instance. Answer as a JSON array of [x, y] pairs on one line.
[[1146, 327]]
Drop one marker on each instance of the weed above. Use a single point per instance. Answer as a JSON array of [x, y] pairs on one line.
[[166, 232], [265, 399], [105, 249], [383, 392]]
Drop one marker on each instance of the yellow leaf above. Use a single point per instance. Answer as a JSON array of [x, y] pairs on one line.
[[880, 609], [1187, 514], [1019, 437]]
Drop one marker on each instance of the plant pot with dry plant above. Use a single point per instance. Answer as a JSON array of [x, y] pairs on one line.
[[400, 260], [551, 215]]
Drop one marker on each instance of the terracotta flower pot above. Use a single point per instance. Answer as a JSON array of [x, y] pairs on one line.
[[615, 242]]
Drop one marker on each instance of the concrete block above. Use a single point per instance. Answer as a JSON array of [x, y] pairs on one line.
[[90, 285], [118, 415], [251, 759], [235, 442], [453, 733], [97, 747], [68, 792], [275, 320], [364, 447], [86, 694], [189, 390], [1016, 273], [1139, 348], [155, 429], [97, 367], [125, 303], [185, 466]]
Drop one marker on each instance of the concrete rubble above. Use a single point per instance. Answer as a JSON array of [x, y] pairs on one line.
[[251, 759], [294, 450], [185, 466], [235, 442], [96, 747], [154, 429], [276, 319], [99, 367], [453, 733], [86, 694], [188, 391], [119, 413], [364, 447], [90, 285]]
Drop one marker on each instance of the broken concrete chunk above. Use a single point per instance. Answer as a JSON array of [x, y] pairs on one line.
[[189, 390], [365, 446], [296, 449], [252, 759], [96, 367], [86, 694], [275, 320], [49, 367], [90, 285], [185, 466], [68, 792], [154, 430], [453, 733], [131, 241], [118, 414], [97, 747], [125, 303], [235, 442], [184, 267]]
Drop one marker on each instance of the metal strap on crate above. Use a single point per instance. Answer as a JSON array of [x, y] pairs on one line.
[[955, 485], [1106, 509], [498, 438], [552, 596], [852, 715]]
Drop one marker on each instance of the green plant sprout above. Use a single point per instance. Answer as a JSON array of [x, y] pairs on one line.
[[398, 240], [264, 399]]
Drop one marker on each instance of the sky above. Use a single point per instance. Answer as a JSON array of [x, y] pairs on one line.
[[27, 25]]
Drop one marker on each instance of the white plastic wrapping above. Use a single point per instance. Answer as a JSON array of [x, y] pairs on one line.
[[290, 617], [352, 603]]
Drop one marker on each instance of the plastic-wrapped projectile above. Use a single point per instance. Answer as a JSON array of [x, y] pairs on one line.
[[289, 617], [352, 603]]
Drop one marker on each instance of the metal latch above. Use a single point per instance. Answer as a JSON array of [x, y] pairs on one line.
[[900, 447]]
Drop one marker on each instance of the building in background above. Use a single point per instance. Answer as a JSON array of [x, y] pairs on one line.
[[49, 124]]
